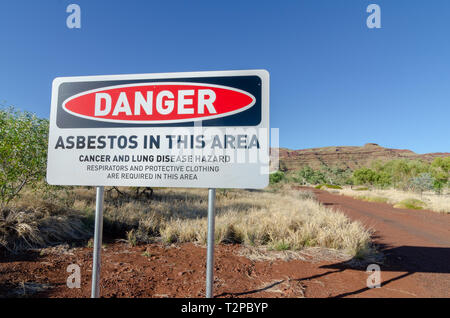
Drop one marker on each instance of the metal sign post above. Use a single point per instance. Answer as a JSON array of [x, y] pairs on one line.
[[84, 110], [210, 248], [95, 292]]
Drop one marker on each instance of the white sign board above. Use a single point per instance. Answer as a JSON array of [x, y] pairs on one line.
[[196, 129]]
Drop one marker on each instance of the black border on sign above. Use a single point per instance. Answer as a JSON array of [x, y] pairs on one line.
[[249, 83]]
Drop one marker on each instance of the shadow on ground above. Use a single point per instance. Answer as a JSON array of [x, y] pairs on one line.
[[406, 260]]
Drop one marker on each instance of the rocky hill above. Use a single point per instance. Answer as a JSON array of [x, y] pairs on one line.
[[352, 157]]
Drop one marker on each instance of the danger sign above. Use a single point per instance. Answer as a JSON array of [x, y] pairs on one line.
[[159, 103], [197, 129]]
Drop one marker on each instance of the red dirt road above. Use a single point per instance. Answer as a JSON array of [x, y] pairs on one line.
[[415, 244]]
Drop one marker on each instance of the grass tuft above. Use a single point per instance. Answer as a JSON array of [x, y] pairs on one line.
[[328, 186], [45, 224], [373, 199], [412, 204], [361, 189]]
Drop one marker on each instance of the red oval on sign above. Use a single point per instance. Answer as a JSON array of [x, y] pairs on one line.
[[159, 102]]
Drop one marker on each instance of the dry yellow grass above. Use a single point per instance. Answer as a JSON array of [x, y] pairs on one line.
[[281, 220], [39, 224], [432, 201]]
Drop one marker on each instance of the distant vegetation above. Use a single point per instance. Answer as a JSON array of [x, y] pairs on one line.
[[324, 175], [404, 183], [403, 174], [415, 175]]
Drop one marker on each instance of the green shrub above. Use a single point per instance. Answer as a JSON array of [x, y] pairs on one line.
[[399, 172], [311, 176], [329, 186], [333, 186], [23, 152], [364, 176], [383, 179], [421, 183], [276, 177], [440, 170], [325, 174], [413, 204], [373, 199], [442, 163], [281, 246]]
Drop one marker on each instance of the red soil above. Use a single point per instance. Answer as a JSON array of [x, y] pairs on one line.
[[416, 245]]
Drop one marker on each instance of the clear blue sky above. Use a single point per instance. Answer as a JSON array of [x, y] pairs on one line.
[[333, 80]]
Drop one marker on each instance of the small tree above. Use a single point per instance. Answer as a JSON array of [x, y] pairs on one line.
[[338, 176], [23, 151], [364, 176], [382, 179], [311, 176], [421, 183], [276, 177], [440, 169]]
